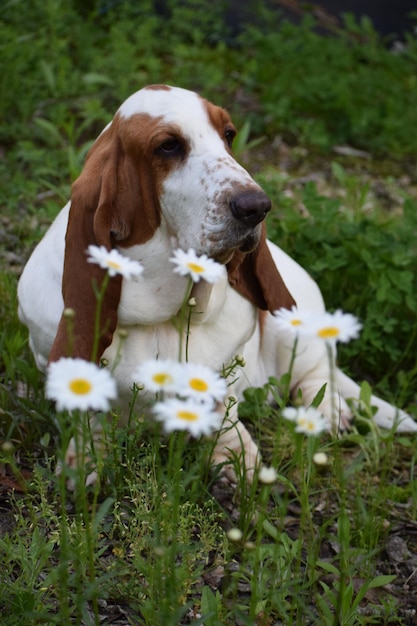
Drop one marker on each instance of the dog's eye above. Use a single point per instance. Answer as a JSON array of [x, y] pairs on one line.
[[229, 135], [170, 147]]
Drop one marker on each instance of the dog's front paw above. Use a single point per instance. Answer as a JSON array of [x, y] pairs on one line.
[[235, 452]]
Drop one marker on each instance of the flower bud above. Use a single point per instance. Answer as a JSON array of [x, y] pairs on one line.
[[234, 534], [267, 475], [320, 458], [7, 447]]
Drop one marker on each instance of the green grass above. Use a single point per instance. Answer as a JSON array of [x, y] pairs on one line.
[[152, 537]]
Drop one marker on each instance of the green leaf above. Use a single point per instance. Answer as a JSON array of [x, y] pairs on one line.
[[381, 581], [95, 79], [319, 396], [365, 393], [328, 567], [50, 132], [102, 512], [271, 530], [209, 606]]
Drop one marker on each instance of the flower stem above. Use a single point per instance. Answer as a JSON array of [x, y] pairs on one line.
[[184, 326], [332, 381], [97, 332]]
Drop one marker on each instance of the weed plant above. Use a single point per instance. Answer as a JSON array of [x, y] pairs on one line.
[[157, 539]]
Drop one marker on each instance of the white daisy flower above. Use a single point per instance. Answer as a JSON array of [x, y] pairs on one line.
[[307, 420], [190, 264], [337, 326], [79, 384], [160, 375], [292, 319], [114, 262], [195, 417], [201, 382]]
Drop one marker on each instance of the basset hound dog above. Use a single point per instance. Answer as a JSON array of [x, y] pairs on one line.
[[160, 177]]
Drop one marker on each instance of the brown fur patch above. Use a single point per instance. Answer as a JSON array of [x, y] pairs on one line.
[[221, 121], [158, 87]]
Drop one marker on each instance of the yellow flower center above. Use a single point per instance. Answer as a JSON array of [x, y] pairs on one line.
[[194, 267], [306, 424], [329, 332], [198, 384], [162, 378], [187, 416], [113, 265], [296, 322], [80, 386]]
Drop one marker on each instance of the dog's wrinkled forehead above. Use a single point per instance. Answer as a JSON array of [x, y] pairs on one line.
[[180, 107]]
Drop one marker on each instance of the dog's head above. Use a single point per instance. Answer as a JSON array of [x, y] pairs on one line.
[[165, 158]]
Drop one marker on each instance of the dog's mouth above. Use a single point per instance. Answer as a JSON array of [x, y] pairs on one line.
[[250, 242], [245, 244]]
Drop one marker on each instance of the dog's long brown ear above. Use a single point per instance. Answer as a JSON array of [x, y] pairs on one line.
[[111, 202], [256, 277]]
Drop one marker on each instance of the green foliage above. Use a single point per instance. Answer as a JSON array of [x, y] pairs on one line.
[[334, 89], [365, 262]]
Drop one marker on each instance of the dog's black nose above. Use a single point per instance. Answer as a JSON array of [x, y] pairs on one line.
[[250, 207]]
